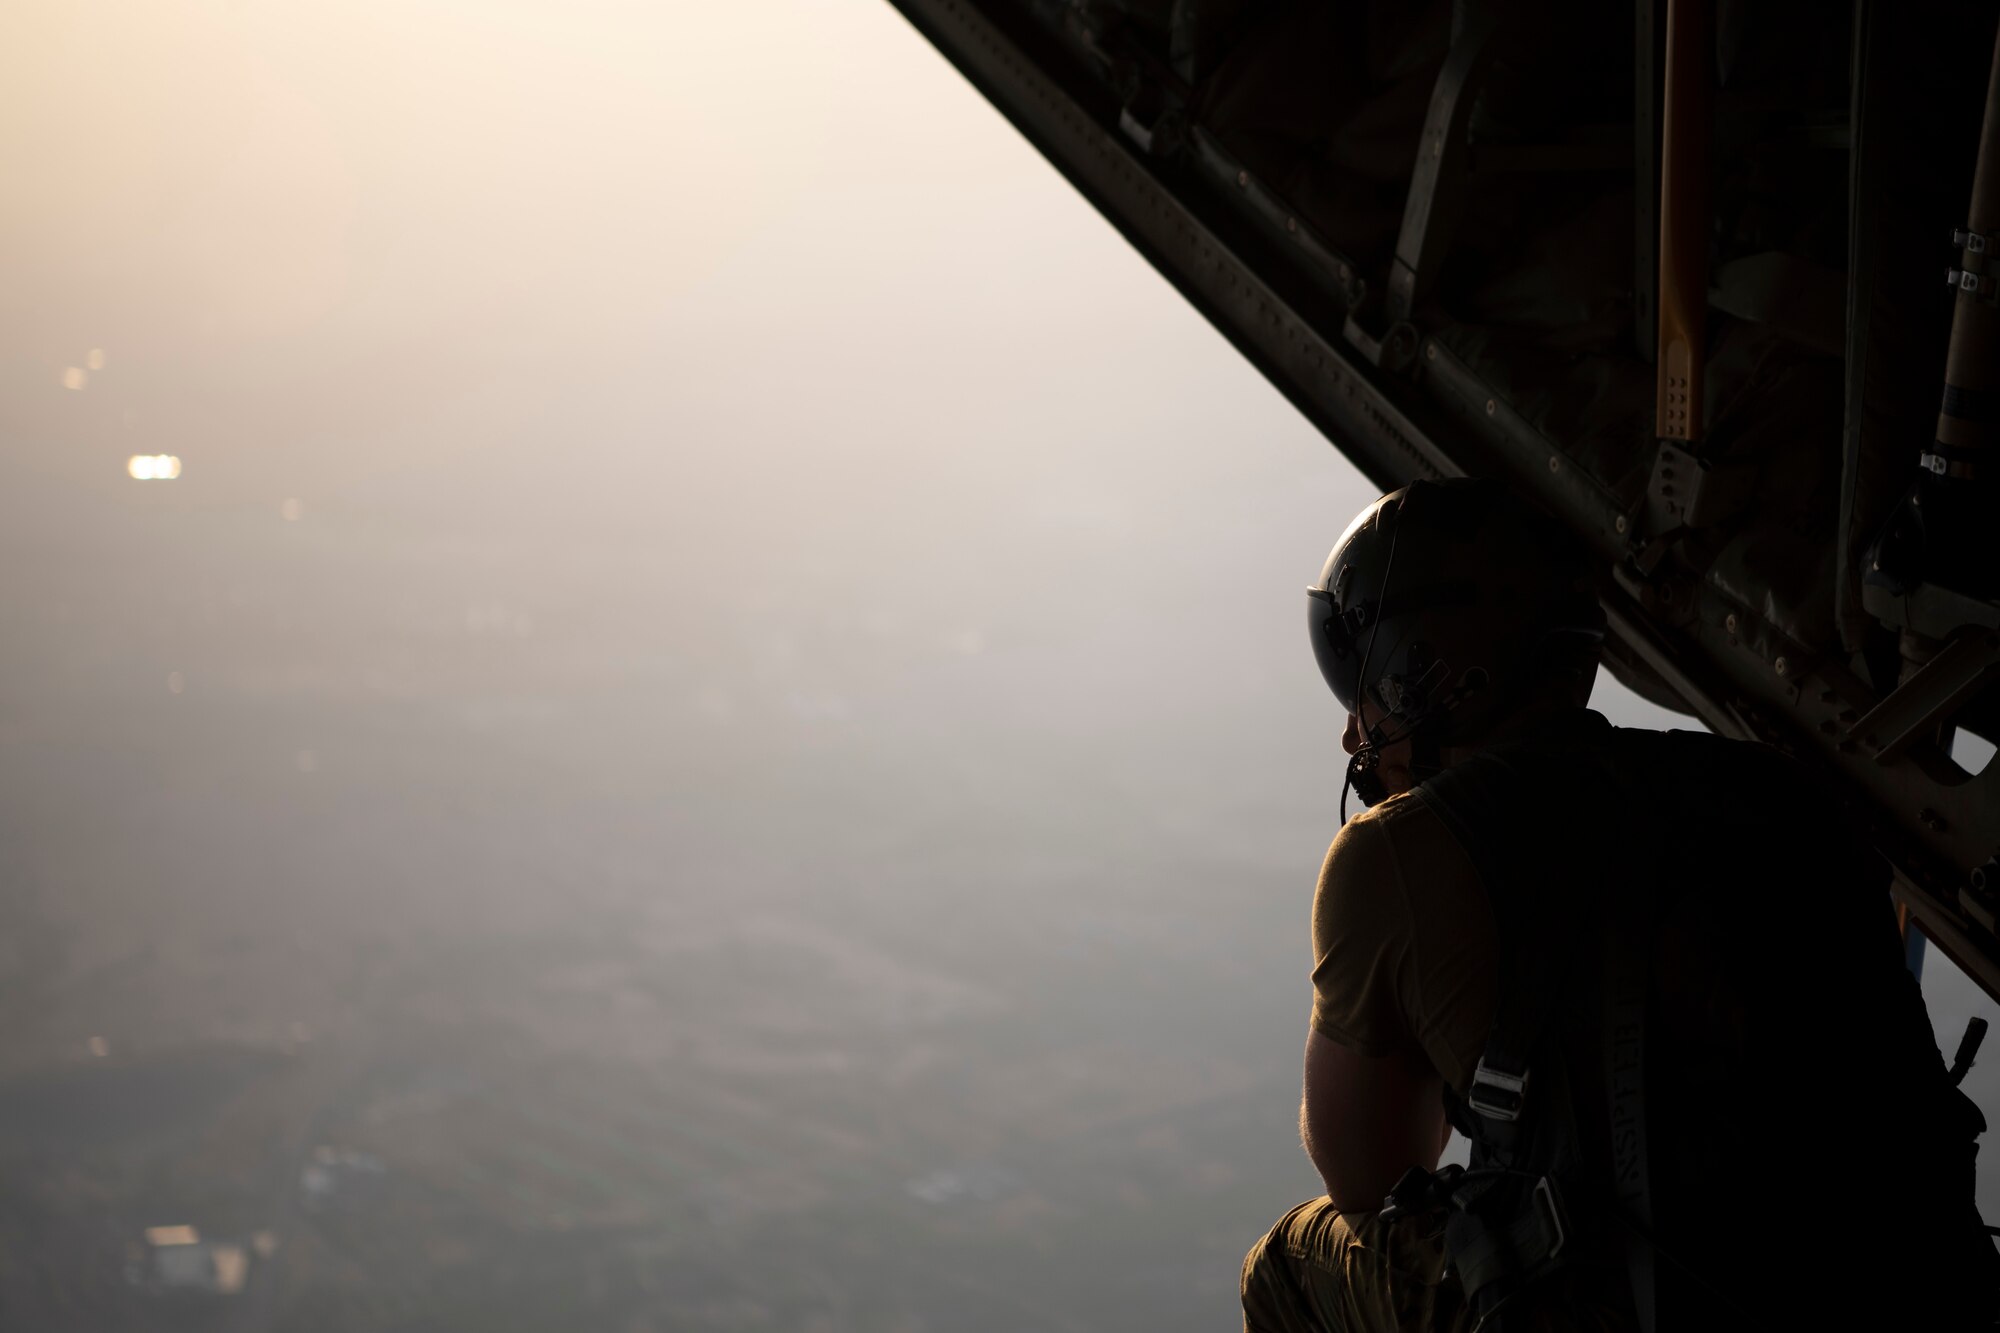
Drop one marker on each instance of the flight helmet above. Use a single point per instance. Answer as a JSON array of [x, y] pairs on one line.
[[1447, 605]]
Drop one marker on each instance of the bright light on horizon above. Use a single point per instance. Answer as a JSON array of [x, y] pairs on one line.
[[153, 467]]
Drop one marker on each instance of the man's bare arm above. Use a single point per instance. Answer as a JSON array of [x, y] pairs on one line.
[[1366, 1120]]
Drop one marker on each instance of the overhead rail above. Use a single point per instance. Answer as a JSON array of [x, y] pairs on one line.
[[1368, 359]]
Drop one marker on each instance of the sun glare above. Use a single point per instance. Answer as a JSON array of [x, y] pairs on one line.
[[153, 467]]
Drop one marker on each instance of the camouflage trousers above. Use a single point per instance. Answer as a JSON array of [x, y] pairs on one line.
[[1322, 1271]]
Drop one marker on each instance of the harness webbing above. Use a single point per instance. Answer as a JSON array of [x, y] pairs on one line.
[[1625, 985], [1520, 1112], [1644, 1055]]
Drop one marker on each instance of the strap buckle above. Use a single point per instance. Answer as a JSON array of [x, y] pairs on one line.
[[1970, 280], [1420, 1192], [1944, 465], [1497, 1094], [1545, 1195]]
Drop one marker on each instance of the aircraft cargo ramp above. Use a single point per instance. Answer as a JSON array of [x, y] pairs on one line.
[[1676, 270]]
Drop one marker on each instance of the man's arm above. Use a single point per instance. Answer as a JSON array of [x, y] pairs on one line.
[[1368, 1119]]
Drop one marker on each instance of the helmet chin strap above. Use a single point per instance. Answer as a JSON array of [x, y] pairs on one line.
[[1364, 769], [1364, 766], [1426, 755]]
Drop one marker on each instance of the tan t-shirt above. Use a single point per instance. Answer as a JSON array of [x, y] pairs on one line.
[[1404, 945]]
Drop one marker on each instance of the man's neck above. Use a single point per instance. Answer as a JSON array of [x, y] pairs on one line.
[[1517, 726]]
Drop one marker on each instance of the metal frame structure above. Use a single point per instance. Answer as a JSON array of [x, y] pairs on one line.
[[1402, 406]]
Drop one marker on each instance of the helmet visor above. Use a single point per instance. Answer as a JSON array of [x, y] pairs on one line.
[[1333, 646]]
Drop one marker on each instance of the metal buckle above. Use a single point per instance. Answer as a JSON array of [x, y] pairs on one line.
[[1497, 1094], [1969, 280], [1946, 467], [1545, 1194]]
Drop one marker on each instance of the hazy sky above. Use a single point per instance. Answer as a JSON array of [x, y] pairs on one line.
[[744, 283], [300, 232], [686, 460]]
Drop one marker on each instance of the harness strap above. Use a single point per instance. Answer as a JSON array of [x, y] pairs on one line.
[[1625, 983], [1509, 1099], [1506, 1232], [1495, 1256]]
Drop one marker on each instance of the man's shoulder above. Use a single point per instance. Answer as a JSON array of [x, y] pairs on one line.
[[1399, 837], [1403, 940], [1398, 814], [1373, 831]]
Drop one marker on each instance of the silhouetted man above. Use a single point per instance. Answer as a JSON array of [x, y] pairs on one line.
[[1650, 976]]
